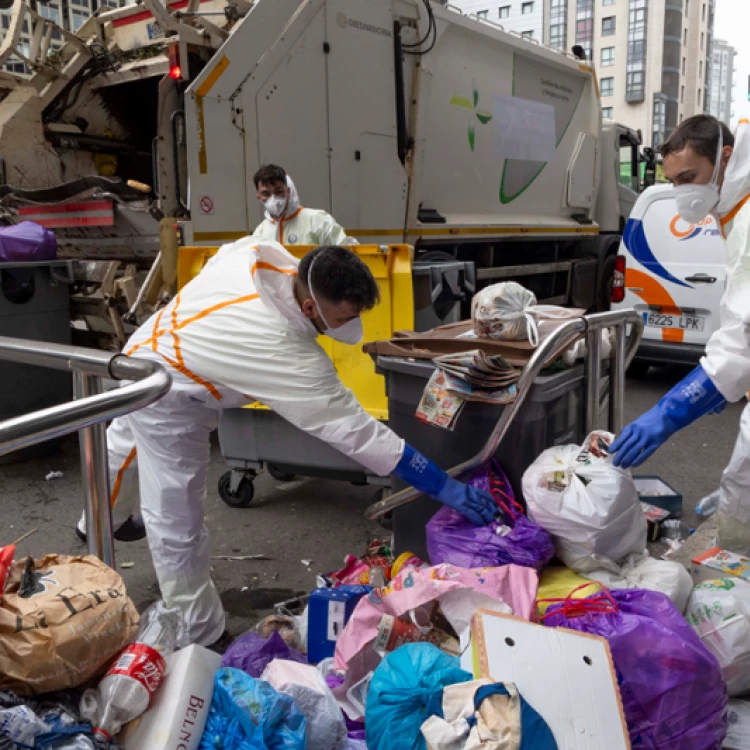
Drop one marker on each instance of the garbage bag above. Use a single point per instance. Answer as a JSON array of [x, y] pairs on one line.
[[252, 653], [719, 611], [325, 727], [61, 620], [406, 689], [451, 538], [590, 506], [27, 242], [644, 572], [248, 714], [562, 583], [673, 693], [738, 736], [499, 311]]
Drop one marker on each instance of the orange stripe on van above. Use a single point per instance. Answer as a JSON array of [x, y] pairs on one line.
[[653, 293]]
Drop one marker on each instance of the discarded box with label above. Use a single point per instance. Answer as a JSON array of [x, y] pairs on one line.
[[717, 563], [578, 696], [328, 612], [654, 518], [179, 709], [655, 491]]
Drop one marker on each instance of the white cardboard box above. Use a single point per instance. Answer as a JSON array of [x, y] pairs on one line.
[[178, 712], [567, 677], [719, 563]]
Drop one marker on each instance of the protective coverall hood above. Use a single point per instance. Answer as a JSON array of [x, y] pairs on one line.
[[737, 175], [292, 205]]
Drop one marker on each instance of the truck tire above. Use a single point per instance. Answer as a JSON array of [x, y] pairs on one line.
[[604, 291]]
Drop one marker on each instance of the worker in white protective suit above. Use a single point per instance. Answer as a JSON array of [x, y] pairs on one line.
[[244, 329], [288, 222], [710, 169]]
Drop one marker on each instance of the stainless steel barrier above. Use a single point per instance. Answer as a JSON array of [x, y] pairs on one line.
[[87, 413], [592, 326]]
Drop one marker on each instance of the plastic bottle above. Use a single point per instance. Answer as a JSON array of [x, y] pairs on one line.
[[126, 690]]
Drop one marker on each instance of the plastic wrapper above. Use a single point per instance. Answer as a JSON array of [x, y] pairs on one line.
[[325, 727], [27, 242], [672, 689], [719, 611], [512, 539], [406, 689], [252, 653], [738, 736], [708, 505], [590, 507], [501, 311], [639, 572], [248, 714]]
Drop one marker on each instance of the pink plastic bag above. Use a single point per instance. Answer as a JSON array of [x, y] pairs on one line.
[[510, 589]]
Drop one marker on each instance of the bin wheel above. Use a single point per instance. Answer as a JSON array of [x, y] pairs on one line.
[[240, 498], [279, 475]]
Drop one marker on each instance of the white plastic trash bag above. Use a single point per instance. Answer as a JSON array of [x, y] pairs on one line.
[[738, 736], [325, 728], [500, 311], [590, 507], [643, 572], [719, 611]]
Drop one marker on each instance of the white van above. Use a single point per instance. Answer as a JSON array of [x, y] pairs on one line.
[[673, 273]]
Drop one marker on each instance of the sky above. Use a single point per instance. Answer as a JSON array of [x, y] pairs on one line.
[[732, 23]]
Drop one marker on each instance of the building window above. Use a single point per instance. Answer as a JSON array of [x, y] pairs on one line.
[[682, 94], [608, 56], [504, 11], [607, 86], [558, 36], [527, 9], [680, 118], [684, 63], [636, 62], [684, 38], [703, 39], [687, 7], [660, 119], [699, 97], [558, 30], [608, 2], [607, 113], [704, 12], [49, 11], [528, 34], [700, 68], [482, 13], [78, 18], [608, 25], [634, 84]]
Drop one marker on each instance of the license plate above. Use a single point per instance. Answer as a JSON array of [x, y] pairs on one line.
[[685, 322]]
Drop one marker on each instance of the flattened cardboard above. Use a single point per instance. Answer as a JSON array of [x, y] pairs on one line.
[[568, 677]]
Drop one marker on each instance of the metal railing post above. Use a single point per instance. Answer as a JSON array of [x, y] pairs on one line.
[[593, 377], [95, 476], [617, 366]]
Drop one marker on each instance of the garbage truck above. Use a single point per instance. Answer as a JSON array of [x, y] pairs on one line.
[[407, 121]]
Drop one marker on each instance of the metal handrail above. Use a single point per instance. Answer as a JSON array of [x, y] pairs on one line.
[[87, 414], [592, 325]]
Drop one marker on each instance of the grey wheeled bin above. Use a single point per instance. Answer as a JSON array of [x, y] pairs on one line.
[[34, 304], [553, 413]]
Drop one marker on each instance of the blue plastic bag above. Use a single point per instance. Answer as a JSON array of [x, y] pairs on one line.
[[405, 690], [248, 714]]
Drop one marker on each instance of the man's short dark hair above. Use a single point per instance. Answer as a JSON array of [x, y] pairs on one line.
[[340, 276], [269, 174], [701, 133]]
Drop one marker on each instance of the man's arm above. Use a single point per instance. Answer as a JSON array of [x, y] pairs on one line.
[[330, 232]]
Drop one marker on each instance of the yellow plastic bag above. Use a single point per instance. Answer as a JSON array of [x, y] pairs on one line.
[[558, 583]]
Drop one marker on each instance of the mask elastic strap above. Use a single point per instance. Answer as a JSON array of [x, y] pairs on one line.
[[717, 166], [312, 293]]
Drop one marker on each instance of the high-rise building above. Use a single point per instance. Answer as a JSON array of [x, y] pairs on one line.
[[523, 16], [722, 80], [651, 56], [70, 14]]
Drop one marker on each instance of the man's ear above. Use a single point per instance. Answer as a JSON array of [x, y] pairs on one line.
[[308, 308], [726, 155]]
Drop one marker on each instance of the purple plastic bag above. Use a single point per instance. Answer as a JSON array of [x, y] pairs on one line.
[[27, 242], [252, 653], [355, 730], [451, 538], [672, 690]]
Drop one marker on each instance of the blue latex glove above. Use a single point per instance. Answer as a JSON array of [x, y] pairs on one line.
[[689, 400], [421, 473]]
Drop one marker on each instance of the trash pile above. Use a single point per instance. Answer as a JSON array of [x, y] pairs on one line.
[[552, 616]]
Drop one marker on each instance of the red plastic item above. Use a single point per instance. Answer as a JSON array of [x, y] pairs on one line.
[[6, 560]]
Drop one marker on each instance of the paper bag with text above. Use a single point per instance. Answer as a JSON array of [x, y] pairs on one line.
[[61, 620]]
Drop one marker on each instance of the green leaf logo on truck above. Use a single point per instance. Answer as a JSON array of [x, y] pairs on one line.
[[482, 115]]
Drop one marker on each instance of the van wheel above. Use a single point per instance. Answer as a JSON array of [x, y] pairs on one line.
[[638, 369], [604, 294]]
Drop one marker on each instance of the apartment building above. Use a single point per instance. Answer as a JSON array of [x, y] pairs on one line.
[[523, 16], [70, 14], [722, 80]]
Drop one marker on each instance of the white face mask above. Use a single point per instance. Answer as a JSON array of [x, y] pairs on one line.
[[695, 202], [351, 332], [275, 205]]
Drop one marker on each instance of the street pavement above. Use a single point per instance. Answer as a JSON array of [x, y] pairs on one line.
[[308, 525]]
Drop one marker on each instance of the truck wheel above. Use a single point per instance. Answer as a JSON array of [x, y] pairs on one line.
[[242, 496], [604, 293]]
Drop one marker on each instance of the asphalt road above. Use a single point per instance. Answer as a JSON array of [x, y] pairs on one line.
[[311, 520]]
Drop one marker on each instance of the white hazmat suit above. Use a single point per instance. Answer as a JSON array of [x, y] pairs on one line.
[[301, 226], [233, 335]]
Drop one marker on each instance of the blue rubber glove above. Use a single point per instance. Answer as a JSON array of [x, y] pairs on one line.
[[690, 399], [421, 473]]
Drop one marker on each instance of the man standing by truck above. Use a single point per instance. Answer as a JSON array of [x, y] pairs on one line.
[[710, 169], [287, 222]]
